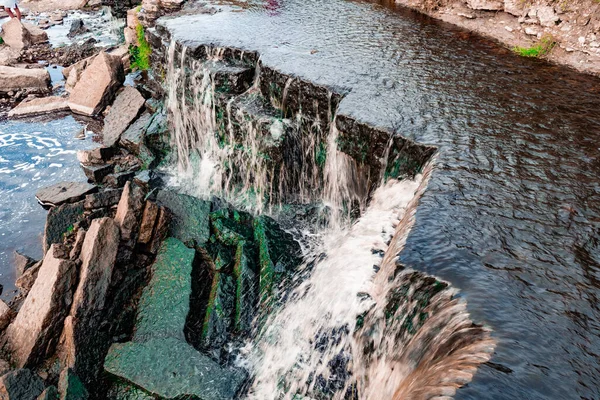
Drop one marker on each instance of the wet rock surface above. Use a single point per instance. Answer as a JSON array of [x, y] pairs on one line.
[[64, 192]]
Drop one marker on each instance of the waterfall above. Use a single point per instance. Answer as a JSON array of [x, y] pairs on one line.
[[354, 324]]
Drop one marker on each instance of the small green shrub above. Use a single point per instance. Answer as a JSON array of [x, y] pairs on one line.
[[1, 40], [140, 54], [543, 47]]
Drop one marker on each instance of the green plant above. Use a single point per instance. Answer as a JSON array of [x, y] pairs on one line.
[[140, 54], [543, 47], [1, 41]]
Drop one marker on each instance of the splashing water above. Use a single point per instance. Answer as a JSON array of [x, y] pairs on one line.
[[355, 324]]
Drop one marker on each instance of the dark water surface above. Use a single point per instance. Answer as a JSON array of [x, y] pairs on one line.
[[33, 154], [512, 212]]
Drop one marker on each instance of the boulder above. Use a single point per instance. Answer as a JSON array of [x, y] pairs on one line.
[[190, 217], [119, 180], [99, 155], [23, 263], [33, 333], [37, 34], [106, 198], [514, 7], [97, 85], [27, 279], [129, 212], [40, 106], [545, 14], [6, 315], [123, 112], [486, 5], [16, 35], [77, 28], [60, 221], [97, 173], [34, 80], [73, 72], [21, 384], [77, 245], [133, 138], [64, 192]]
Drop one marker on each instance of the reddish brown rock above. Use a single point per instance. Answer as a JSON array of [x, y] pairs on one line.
[[16, 35], [148, 221], [123, 112], [129, 212], [97, 85], [33, 333]]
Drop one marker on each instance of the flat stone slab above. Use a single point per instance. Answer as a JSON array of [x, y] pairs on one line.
[[64, 192], [123, 112], [165, 302], [41, 106], [35, 80], [171, 368]]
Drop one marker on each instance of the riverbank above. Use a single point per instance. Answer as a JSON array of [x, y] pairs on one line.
[[562, 32]]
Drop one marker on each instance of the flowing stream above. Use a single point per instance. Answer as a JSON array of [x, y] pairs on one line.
[[510, 215], [354, 322]]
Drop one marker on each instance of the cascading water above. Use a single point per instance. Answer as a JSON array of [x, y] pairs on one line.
[[354, 324]]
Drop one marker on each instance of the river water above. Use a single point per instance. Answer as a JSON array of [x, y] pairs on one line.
[[511, 214]]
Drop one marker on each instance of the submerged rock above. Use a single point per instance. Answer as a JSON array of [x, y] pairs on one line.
[[41, 106], [97, 85], [123, 112], [21, 384], [63, 192], [33, 333], [77, 28]]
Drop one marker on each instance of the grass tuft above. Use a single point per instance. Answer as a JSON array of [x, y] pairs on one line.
[[543, 47], [140, 54]]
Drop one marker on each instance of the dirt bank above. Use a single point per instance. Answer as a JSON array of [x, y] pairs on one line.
[[533, 26]]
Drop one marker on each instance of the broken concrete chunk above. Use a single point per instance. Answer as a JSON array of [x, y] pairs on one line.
[[64, 192], [21, 384], [39, 106], [36, 328], [123, 112], [97, 85]]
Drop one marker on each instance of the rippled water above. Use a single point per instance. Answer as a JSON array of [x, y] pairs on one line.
[[511, 215], [33, 154]]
